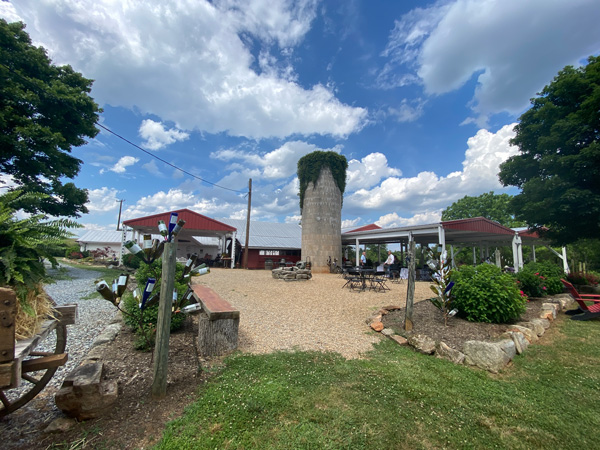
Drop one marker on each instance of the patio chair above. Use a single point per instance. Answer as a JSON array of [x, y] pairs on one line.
[[585, 311], [378, 283]]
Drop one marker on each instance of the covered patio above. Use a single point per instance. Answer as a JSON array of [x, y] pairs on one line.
[[478, 232], [196, 225]]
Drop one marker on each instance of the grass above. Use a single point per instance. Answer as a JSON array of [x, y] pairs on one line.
[[399, 399]]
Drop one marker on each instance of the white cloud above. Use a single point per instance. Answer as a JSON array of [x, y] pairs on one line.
[[123, 163], [393, 220], [279, 163], [349, 224], [102, 200], [157, 137], [514, 47], [191, 63], [408, 111], [368, 171], [429, 192], [296, 218]]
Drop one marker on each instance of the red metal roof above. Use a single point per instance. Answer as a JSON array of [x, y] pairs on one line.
[[193, 221], [369, 227], [477, 224]]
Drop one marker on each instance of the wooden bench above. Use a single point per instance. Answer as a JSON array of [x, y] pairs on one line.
[[218, 323]]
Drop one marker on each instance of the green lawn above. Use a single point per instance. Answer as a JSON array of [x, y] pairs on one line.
[[398, 399]]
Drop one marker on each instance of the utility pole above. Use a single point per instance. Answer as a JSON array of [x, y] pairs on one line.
[[245, 263], [119, 219]]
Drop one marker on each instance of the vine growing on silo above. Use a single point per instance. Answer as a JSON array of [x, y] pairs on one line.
[[309, 168]]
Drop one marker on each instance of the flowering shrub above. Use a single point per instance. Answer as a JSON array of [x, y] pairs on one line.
[[484, 294], [582, 278], [532, 284], [541, 279]]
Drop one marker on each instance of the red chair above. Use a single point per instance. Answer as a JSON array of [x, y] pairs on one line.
[[585, 311]]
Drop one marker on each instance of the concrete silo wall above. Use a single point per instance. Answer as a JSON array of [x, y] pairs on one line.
[[322, 222]]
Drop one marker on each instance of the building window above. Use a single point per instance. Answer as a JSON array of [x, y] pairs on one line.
[[268, 252]]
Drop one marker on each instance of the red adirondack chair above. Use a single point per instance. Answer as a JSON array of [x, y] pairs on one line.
[[585, 311]]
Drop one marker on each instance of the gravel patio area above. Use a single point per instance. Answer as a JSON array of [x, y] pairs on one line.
[[307, 315]]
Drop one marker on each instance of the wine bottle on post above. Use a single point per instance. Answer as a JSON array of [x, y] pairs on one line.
[[147, 246], [162, 229], [105, 291], [178, 227], [133, 248]]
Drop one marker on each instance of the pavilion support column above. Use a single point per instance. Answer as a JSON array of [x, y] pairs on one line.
[[517, 248], [474, 256], [497, 257], [357, 253], [533, 253]]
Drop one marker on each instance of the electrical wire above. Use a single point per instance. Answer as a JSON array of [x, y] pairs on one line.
[[39, 90]]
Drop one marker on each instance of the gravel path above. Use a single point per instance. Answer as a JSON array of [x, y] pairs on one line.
[[308, 315]]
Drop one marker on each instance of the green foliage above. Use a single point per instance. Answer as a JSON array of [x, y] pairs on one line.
[[131, 261], [558, 168], [309, 168], [149, 318], [549, 275], [73, 252], [583, 278], [45, 110], [485, 294], [24, 244], [496, 207], [532, 284]]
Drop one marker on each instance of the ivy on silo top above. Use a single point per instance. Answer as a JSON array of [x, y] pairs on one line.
[[309, 168]]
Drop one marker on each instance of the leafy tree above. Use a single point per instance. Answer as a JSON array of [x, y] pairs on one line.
[[558, 168], [496, 207], [45, 110]]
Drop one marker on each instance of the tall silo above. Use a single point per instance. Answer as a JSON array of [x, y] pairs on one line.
[[322, 177]]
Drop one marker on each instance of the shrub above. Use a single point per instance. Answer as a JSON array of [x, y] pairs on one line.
[[582, 278], [150, 314], [532, 284], [131, 261], [552, 274], [73, 252], [484, 294]]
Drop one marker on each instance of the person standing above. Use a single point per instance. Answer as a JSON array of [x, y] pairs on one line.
[[363, 259], [388, 263]]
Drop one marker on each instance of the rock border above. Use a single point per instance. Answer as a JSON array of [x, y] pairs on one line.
[[491, 356]]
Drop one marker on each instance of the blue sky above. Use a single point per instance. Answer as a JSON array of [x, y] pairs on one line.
[[421, 97]]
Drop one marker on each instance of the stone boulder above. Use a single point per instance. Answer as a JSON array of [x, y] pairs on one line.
[[422, 344], [489, 356], [444, 352], [291, 274], [85, 394]]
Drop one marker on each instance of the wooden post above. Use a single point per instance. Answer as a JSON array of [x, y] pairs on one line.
[[163, 326], [410, 294], [245, 265]]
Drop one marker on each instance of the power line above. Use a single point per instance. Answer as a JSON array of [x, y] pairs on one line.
[[166, 162], [39, 90]]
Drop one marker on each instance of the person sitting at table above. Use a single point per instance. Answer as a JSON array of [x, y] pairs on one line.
[[388, 263]]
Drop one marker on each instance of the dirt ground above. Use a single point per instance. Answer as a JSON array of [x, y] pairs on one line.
[[135, 420], [428, 320]]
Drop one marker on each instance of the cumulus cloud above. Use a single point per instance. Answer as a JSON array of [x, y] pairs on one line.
[[368, 171], [513, 47], [191, 63], [156, 136], [428, 191], [122, 164], [393, 220], [279, 163], [102, 200], [408, 111]]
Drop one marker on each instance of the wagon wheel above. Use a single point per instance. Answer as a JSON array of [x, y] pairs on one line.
[[34, 382]]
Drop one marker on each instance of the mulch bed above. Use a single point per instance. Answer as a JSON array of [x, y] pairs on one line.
[[428, 320]]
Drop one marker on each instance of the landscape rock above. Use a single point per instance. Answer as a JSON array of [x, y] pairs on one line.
[[399, 339], [387, 332], [537, 328], [421, 343], [521, 343], [60, 425], [528, 332], [508, 347], [550, 308], [377, 326], [485, 355], [108, 335], [85, 394], [444, 352], [543, 322]]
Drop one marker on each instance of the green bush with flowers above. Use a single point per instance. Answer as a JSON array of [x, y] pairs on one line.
[[538, 279], [485, 294]]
